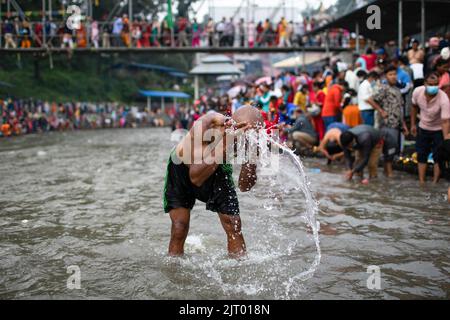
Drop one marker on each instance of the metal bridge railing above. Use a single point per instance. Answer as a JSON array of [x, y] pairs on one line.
[[32, 35]]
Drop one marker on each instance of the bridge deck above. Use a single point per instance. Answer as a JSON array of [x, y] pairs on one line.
[[175, 50]]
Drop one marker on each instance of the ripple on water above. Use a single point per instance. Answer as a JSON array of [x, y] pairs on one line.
[[97, 204]]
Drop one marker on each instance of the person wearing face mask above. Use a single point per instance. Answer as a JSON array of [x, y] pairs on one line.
[[434, 106], [365, 92]]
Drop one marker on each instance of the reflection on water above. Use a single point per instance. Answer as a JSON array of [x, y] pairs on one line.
[[93, 199]]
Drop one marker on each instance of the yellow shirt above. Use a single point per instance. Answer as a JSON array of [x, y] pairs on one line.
[[300, 100]]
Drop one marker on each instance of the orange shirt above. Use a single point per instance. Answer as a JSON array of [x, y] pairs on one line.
[[332, 104], [352, 116], [6, 129]]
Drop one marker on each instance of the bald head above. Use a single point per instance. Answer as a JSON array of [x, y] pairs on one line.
[[249, 114]]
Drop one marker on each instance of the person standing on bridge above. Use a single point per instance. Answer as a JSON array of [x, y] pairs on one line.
[[196, 32], [126, 31], [220, 28], [251, 33], [182, 25], [230, 33], [210, 27], [9, 35], [95, 34]]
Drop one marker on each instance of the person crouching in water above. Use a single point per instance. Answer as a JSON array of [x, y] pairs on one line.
[[330, 146], [208, 180], [368, 144], [303, 133]]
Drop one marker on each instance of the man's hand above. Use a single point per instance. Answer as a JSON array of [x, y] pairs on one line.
[[230, 124], [414, 130], [384, 114], [336, 156], [405, 131]]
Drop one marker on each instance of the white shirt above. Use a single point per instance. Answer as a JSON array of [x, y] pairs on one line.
[[352, 80], [365, 92]]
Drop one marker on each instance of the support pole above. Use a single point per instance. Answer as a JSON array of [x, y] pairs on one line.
[[1, 25], [327, 43], [196, 94], [303, 58], [50, 10], [163, 107], [247, 23], [175, 103], [357, 38], [400, 24], [423, 22], [44, 33], [148, 103], [8, 8], [130, 10]]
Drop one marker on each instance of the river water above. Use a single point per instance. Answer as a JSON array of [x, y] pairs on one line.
[[93, 199]]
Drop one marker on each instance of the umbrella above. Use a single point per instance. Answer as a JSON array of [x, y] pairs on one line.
[[262, 80], [233, 92]]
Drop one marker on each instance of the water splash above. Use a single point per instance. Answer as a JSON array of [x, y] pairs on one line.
[[285, 173]]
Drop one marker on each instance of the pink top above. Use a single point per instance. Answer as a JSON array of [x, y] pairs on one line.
[[445, 80], [431, 113]]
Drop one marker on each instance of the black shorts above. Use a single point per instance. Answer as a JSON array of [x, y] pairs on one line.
[[391, 146], [428, 141], [218, 192]]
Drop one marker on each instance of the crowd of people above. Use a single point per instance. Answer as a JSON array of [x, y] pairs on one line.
[[144, 33], [19, 117], [359, 111]]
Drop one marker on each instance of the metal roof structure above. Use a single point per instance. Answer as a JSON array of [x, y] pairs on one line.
[[299, 61], [398, 18], [164, 94], [216, 65]]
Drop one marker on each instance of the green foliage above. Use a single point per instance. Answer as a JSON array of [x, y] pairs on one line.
[[88, 77]]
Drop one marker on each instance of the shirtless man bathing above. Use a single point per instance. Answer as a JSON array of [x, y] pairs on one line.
[[207, 178]]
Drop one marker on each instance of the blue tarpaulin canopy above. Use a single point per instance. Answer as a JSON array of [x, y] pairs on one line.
[[164, 94]]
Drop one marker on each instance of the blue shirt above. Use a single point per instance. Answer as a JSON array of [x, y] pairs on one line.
[[403, 77], [338, 125]]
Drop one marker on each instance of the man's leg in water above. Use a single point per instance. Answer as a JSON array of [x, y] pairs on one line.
[[436, 173], [180, 227], [388, 169], [232, 226], [422, 172]]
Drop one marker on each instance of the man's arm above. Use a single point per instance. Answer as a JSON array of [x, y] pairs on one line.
[[446, 128], [247, 177], [376, 106], [322, 147], [349, 159], [366, 149], [200, 172], [413, 120]]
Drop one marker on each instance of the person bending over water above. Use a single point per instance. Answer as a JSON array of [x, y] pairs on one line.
[[330, 146], [208, 180], [368, 144]]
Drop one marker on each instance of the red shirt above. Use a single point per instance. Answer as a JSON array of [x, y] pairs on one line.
[[371, 60]]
